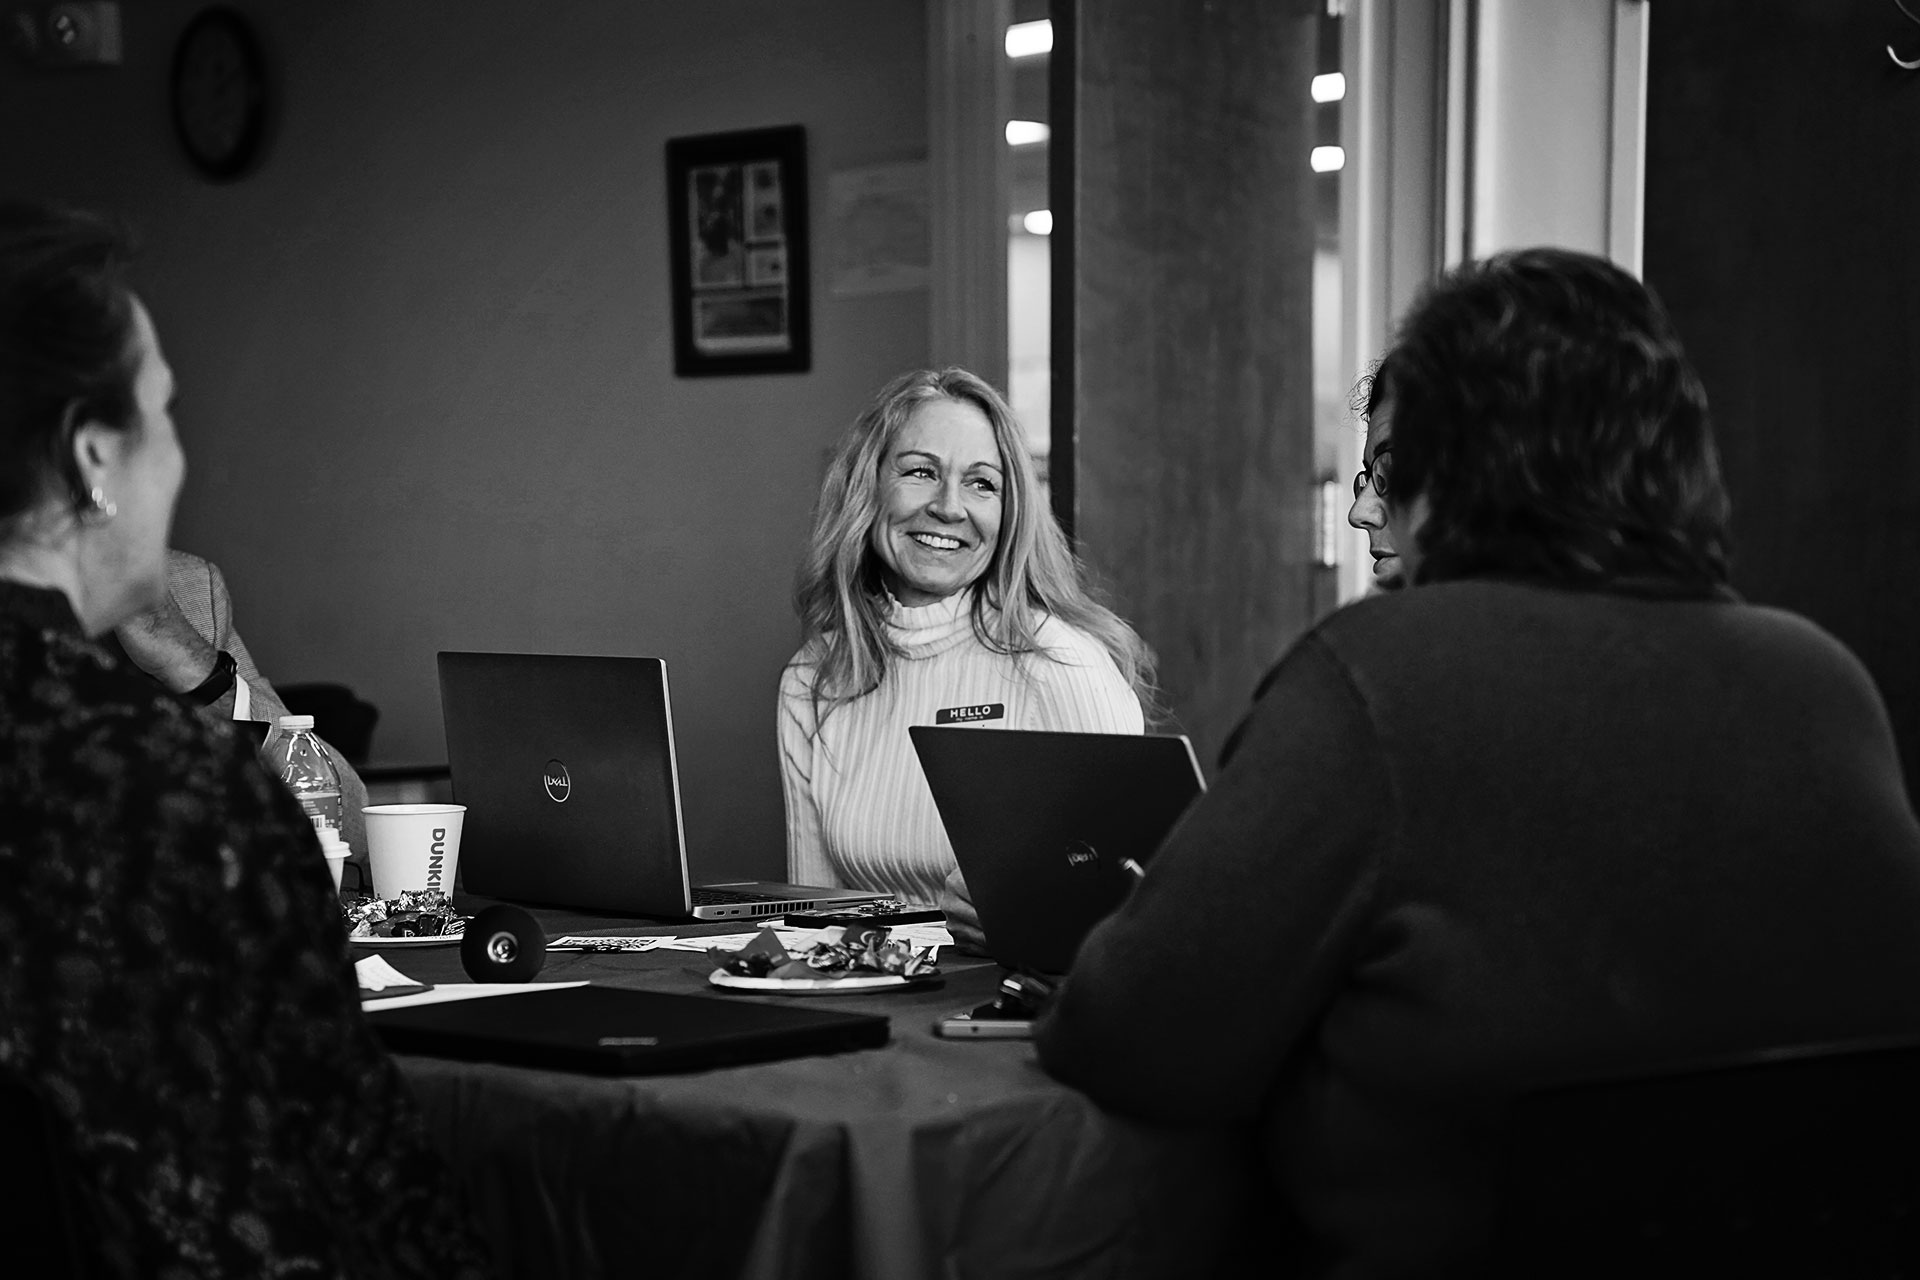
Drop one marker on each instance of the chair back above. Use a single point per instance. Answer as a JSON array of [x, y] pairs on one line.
[[340, 716], [1802, 1161], [38, 1215]]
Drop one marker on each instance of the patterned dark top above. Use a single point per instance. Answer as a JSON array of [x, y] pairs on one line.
[[174, 979]]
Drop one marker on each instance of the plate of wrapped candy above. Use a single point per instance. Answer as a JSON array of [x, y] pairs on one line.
[[424, 918], [836, 961]]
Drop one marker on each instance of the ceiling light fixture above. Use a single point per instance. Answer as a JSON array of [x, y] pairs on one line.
[[1328, 159], [1026, 133], [1030, 39], [1330, 87]]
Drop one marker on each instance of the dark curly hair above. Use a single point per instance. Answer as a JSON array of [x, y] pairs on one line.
[[66, 347], [1542, 403]]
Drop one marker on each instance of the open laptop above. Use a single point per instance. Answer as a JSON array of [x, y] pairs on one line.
[[1043, 825], [566, 766], [614, 1031]]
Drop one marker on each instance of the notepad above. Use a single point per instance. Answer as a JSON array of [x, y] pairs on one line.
[[378, 978]]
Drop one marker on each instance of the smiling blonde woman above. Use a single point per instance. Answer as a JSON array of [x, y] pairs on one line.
[[936, 589]]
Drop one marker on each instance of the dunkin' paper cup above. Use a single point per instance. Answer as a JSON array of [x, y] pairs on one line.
[[413, 846]]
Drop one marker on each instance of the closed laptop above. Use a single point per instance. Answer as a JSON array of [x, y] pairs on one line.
[[615, 1031]]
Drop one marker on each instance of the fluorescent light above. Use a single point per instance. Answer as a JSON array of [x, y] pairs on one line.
[[1039, 222], [1030, 39], [1026, 133], [1328, 159], [1330, 87]]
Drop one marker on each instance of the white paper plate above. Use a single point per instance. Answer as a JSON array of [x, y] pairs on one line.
[[816, 986], [431, 940]]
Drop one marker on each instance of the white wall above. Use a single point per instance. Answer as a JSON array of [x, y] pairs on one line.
[[1030, 337], [425, 355], [1543, 149]]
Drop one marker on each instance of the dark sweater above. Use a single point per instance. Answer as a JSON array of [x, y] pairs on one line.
[[174, 983], [1480, 834]]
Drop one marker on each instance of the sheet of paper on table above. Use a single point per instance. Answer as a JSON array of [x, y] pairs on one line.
[[925, 933], [449, 991], [375, 974], [606, 942]]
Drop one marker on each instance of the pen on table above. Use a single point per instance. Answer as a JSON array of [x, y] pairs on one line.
[[1133, 869]]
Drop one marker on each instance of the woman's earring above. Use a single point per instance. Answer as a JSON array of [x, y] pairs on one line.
[[99, 509]]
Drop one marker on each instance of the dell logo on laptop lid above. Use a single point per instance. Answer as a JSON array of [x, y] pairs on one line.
[[559, 785]]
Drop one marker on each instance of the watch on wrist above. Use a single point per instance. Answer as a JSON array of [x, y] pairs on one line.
[[216, 684]]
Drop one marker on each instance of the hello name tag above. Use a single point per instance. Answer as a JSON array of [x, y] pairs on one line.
[[971, 715]]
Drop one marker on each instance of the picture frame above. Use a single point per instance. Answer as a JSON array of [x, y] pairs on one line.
[[737, 235]]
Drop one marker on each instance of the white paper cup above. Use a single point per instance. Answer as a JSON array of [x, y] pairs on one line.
[[413, 846], [336, 863]]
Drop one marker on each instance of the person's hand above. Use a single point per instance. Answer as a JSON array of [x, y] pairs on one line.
[[164, 644], [963, 922]]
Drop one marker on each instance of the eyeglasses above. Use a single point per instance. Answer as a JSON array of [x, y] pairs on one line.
[[1375, 475]]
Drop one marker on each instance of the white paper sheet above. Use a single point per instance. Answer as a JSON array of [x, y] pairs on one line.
[[879, 241], [606, 942], [449, 991], [375, 974]]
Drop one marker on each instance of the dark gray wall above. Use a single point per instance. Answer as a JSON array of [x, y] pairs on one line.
[[424, 352], [1783, 194], [1184, 298]]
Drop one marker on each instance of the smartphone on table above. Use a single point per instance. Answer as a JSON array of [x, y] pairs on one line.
[[983, 1023], [1008, 1017]]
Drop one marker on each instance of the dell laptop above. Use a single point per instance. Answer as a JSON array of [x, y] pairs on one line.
[[1051, 829], [566, 766], [615, 1031]]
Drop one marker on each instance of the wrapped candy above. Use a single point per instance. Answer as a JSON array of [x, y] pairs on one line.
[[856, 951], [757, 959], [422, 913]]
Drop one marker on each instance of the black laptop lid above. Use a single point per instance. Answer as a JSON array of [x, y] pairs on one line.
[[566, 767], [1040, 823], [614, 1031]]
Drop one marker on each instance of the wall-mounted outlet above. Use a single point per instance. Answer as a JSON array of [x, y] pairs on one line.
[[70, 33]]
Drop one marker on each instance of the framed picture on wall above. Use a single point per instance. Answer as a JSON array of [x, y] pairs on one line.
[[737, 228]]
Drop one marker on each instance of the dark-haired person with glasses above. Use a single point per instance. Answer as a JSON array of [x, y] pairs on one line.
[[1563, 806], [1369, 511]]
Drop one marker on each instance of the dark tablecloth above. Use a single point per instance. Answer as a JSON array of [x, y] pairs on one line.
[[929, 1157]]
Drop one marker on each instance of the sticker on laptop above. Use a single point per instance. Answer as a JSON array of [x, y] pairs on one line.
[[971, 715]]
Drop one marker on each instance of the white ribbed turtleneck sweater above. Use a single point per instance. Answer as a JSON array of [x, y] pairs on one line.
[[859, 814]]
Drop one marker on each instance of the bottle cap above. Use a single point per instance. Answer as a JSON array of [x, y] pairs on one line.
[[296, 722]]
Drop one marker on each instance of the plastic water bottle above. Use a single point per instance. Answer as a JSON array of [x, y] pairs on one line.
[[336, 852], [303, 762]]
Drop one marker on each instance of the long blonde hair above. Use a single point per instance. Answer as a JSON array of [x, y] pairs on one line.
[[841, 597]]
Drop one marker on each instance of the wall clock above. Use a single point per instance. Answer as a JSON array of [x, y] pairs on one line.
[[219, 91]]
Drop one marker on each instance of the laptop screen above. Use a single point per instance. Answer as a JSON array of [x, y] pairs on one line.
[[1041, 824], [566, 766]]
